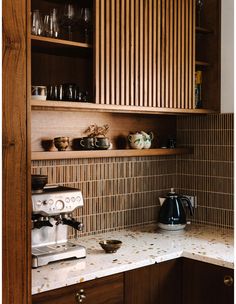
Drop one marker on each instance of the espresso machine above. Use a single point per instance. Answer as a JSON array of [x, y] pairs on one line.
[[51, 216]]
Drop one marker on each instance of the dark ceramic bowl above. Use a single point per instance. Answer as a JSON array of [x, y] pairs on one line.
[[110, 246], [38, 182]]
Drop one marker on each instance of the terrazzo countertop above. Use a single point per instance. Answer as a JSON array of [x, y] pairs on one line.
[[141, 247]]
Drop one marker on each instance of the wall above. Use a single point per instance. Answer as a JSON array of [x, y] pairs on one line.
[[208, 172], [123, 192], [227, 56]]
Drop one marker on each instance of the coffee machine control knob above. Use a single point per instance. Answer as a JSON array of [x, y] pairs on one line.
[[50, 202], [39, 203], [60, 205]]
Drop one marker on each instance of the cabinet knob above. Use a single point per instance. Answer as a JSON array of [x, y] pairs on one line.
[[80, 296], [228, 280]]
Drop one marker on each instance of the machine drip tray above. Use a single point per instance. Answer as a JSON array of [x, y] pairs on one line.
[[42, 255]]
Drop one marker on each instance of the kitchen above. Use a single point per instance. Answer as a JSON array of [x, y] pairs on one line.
[[120, 186]]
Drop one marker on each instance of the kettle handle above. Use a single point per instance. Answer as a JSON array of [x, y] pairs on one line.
[[185, 198]]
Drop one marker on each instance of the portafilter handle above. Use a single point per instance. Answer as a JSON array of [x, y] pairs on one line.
[[73, 223], [39, 223]]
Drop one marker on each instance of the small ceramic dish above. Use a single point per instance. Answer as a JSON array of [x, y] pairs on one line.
[[38, 182], [110, 246], [61, 143]]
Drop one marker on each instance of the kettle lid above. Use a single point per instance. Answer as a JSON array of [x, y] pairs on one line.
[[172, 193]]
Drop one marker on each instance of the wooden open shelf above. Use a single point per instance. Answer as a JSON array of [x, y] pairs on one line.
[[48, 105], [49, 43], [107, 153], [202, 63], [202, 30]]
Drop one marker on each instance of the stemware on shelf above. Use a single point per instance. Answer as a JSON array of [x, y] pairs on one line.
[[37, 23], [199, 6], [85, 17], [68, 20]]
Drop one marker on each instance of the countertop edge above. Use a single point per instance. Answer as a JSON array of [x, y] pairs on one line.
[[147, 262]]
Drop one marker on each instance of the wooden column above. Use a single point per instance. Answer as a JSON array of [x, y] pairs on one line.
[[16, 234], [146, 53]]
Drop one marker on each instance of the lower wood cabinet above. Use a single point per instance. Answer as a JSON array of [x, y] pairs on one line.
[[158, 283], [107, 290], [179, 281], [206, 283]]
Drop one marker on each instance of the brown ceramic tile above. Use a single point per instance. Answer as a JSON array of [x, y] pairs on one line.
[[123, 192]]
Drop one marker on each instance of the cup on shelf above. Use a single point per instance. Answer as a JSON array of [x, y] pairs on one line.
[[87, 143], [61, 143], [47, 144], [39, 92], [102, 143], [69, 91], [54, 23], [76, 143], [36, 23], [65, 92]]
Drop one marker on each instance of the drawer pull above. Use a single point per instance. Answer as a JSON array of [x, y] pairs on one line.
[[228, 280], [80, 296]]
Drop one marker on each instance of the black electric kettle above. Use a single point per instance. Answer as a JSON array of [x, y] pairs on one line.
[[172, 215]]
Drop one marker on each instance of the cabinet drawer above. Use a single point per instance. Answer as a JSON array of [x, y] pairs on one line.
[[107, 290]]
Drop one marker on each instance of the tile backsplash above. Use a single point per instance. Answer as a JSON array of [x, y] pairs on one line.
[[208, 171], [118, 192], [123, 192]]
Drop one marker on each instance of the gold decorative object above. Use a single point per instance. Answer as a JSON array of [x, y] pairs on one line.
[[96, 131]]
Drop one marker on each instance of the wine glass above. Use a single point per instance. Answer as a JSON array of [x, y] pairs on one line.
[[199, 5], [68, 19], [86, 17]]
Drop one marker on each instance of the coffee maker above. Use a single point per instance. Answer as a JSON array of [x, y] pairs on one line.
[[51, 216]]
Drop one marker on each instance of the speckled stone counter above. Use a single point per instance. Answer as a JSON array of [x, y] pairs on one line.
[[141, 247]]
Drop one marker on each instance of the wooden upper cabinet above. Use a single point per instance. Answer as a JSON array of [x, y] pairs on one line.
[[145, 53]]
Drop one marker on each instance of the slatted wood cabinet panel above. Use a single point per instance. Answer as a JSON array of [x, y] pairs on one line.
[[145, 52]]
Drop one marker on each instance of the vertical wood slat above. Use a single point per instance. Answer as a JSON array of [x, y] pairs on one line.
[[122, 50], [175, 53], [182, 53], [144, 53], [167, 53], [163, 41], [97, 52], [113, 66], [136, 52], [132, 53], [154, 56], [108, 54], [102, 52], [170, 102], [159, 21], [178, 80], [146, 36], [150, 53], [187, 62], [141, 49], [127, 68], [117, 100]]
